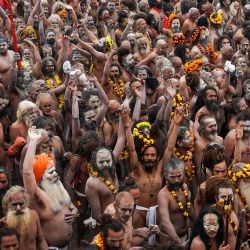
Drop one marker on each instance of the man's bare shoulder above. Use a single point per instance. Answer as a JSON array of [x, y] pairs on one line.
[[197, 244], [163, 194], [16, 125]]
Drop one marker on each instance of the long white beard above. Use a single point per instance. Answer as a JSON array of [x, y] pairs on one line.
[[19, 221], [57, 193], [245, 191]]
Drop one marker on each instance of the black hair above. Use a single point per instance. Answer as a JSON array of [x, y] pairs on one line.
[[200, 99], [181, 132], [118, 66], [199, 230], [141, 67], [152, 83], [8, 231], [129, 183], [108, 223], [235, 105], [243, 116], [180, 51], [218, 43], [88, 93], [122, 52], [46, 46], [202, 21], [45, 60], [185, 6], [42, 121]]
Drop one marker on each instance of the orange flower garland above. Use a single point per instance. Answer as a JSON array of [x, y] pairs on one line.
[[209, 51], [193, 66], [179, 39], [196, 33], [99, 241], [170, 19]]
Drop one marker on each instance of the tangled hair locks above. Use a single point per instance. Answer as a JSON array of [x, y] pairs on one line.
[[152, 83], [243, 116], [199, 230], [107, 222], [214, 153], [45, 60], [87, 141], [213, 184], [14, 190]]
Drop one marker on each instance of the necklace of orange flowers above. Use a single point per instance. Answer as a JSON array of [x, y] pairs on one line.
[[99, 241], [180, 204], [209, 51]]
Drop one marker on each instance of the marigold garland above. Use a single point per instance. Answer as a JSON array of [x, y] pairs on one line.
[[178, 102], [124, 154], [180, 204], [142, 136], [193, 66], [216, 18], [196, 33], [209, 52], [53, 84], [109, 42], [235, 178], [179, 39], [100, 242], [94, 173], [118, 87]]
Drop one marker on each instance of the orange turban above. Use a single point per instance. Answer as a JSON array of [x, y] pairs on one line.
[[41, 163]]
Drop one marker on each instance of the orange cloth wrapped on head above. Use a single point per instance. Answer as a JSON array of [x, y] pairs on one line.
[[41, 163]]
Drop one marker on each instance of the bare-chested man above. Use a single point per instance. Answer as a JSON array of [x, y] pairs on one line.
[[26, 113], [175, 209], [23, 219], [102, 185], [48, 196], [190, 23], [148, 170], [8, 61], [243, 119], [208, 133]]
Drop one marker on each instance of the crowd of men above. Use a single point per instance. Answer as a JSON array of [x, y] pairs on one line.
[[124, 124]]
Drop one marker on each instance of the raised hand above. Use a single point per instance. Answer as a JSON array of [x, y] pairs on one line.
[[239, 132], [169, 92], [34, 134], [179, 114]]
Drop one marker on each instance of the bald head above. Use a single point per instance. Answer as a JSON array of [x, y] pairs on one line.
[[124, 197], [193, 14]]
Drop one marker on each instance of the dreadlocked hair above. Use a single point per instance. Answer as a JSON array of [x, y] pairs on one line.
[[213, 184], [129, 183], [214, 153]]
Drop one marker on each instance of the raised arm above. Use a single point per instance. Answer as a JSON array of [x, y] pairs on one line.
[[237, 149], [173, 136], [28, 174], [6, 19], [131, 145], [34, 12], [104, 100], [98, 55]]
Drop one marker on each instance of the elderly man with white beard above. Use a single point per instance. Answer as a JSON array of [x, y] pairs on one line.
[[23, 219], [240, 176], [47, 194]]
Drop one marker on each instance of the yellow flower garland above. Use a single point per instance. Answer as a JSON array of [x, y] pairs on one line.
[[51, 86], [216, 18], [180, 204], [109, 42], [100, 242], [178, 102], [118, 88], [124, 154], [235, 178], [106, 182]]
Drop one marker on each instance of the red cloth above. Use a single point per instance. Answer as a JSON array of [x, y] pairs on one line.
[[19, 143]]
